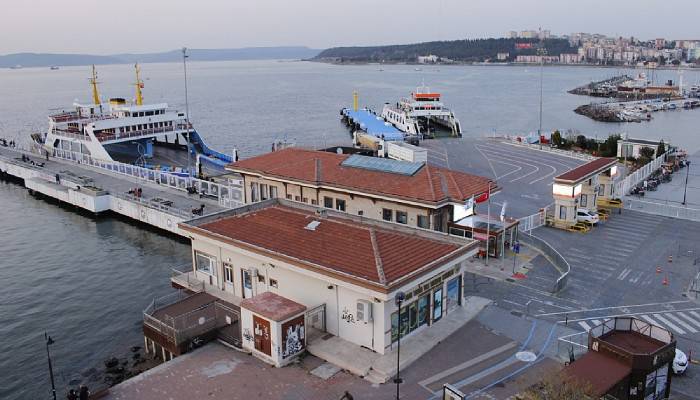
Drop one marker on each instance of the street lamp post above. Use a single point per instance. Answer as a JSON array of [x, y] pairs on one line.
[[50, 341], [400, 296], [687, 172], [187, 110]]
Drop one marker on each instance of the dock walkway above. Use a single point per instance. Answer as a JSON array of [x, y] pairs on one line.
[[98, 190]]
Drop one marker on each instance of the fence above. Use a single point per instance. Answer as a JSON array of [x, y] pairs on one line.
[[228, 195], [570, 347], [527, 224], [623, 187], [553, 256], [547, 148], [667, 210]]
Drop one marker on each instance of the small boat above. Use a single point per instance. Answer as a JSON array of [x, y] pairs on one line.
[[53, 68], [18, 66]]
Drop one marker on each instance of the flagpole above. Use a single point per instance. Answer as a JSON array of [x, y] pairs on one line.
[[488, 225]]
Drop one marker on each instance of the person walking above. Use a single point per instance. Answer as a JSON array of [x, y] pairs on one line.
[[72, 395]]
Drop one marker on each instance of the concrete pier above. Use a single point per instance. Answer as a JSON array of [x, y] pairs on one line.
[[98, 190]]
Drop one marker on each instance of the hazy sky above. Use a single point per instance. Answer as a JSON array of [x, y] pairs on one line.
[[113, 26]]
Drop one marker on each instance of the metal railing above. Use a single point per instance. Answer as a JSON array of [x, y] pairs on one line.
[[229, 195], [547, 148], [570, 347], [557, 260], [187, 279], [667, 210], [623, 187], [102, 137], [185, 214], [527, 224]]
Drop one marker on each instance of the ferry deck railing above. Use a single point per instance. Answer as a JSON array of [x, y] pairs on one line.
[[623, 187], [229, 194], [105, 137]]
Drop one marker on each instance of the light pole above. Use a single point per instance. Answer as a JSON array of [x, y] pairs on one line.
[[50, 341], [187, 110], [400, 296], [687, 172]]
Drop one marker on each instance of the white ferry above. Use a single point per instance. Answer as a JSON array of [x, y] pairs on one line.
[[147, 135], [422, 115]]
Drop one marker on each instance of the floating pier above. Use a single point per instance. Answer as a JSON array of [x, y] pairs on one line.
[[158, 199]]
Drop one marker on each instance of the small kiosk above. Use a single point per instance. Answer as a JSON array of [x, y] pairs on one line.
[[273, 328]]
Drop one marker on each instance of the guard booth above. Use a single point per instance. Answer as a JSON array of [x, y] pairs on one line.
[[582, 187]]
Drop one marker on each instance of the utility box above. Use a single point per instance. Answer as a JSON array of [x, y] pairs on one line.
[[406, 152]]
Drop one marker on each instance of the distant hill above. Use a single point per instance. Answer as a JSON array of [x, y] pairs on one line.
[[468, 50], [249, 53]]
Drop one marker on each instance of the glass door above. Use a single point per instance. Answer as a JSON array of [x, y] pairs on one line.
[[228, 278], [247, 282]]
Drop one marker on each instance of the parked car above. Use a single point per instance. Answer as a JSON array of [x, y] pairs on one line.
[[584, 215], [680, 362]]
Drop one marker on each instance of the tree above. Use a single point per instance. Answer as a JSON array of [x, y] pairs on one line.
[[559, 386], [581, 141], [661, 149], [556, 138], [609, 147]]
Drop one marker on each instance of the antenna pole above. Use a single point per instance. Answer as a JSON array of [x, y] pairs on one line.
[[93, 82], [187, 110], [139, 94]]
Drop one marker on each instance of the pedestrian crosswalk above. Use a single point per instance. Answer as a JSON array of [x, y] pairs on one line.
[[679, 322]]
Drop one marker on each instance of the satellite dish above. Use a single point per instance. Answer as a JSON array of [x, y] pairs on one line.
[[339, 150]]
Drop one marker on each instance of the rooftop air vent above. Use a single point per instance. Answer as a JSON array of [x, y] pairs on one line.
[[312, 225]]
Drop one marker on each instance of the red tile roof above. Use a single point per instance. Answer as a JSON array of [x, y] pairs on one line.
[[377, 255], [584, 170], [273, 306], [430, 184]]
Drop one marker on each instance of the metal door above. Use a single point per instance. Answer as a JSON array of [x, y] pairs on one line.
[[261, 329]]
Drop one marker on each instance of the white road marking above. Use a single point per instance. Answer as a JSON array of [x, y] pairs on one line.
[[692, 320], [635, 280], [624, 273], [626, 306], [585, 326], [518, 168], [669, 324], [521, 162], [650, 320], [694, 314], [682, 323], [596, 321]]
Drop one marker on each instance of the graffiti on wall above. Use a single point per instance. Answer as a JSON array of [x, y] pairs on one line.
[[348, 316], [293, 340]]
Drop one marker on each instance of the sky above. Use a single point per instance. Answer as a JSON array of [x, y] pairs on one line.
[[137, 26]]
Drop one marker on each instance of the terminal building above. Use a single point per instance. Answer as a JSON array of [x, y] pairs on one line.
[[416, 194], [278, 274]]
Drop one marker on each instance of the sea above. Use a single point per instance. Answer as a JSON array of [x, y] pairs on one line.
[[86, 280]]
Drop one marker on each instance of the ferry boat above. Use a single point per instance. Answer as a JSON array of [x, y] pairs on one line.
[[422, 115], [147, 135]]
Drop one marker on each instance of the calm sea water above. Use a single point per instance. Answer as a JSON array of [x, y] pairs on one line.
[[86, 280]]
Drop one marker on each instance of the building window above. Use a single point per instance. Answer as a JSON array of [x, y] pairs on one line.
[[297, 198], [289, 197], [205, 263], [437, 304], [601, 190], [273, 192], [273, 283], [562, 212], [423, 221], [314, 202], [261, 278], [228, 273], [340, 205], [254, 192], [413, 316], [305, 199], [263, 191], [584, 200], [328, 202], [360, 212], [402, 217], [387, 214]]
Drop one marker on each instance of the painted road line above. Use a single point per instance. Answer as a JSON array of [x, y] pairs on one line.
[[692, 320], [694, 314], [585, 326], [466, 364], [624, 273], [669, 324], [650, 320], [596, 321], [682, 323], [627, 306], [635, 280]]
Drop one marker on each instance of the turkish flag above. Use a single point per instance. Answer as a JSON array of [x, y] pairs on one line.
[[482, 198]]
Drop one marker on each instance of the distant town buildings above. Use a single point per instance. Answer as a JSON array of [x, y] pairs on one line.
[[604, 50], [429, 59]]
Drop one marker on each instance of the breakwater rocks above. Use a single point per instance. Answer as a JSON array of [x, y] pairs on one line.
[[598, 113], [604, 88]]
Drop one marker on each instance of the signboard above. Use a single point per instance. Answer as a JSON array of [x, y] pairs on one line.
[[450, 392]]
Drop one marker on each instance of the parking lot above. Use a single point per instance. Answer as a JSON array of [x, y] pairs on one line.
[[524, 175]]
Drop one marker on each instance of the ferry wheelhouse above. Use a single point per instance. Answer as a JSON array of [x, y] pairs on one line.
[[422, 115], [148, 135]]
